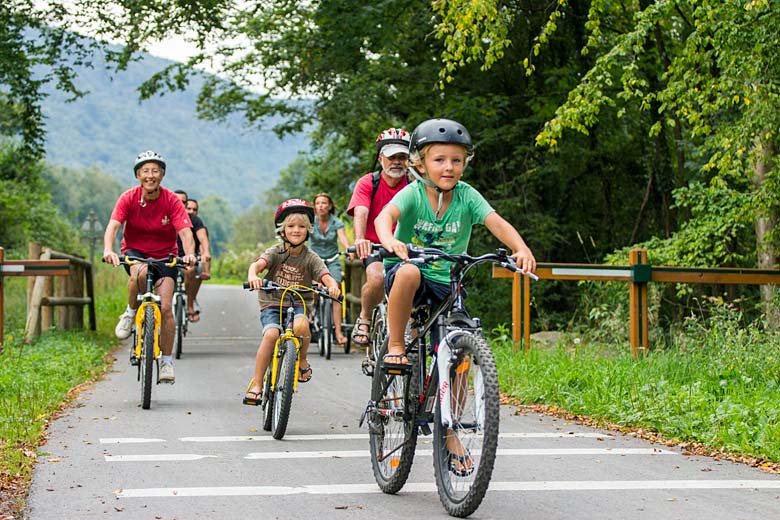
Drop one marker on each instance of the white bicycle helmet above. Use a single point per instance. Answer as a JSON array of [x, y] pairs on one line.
[[149, 156]]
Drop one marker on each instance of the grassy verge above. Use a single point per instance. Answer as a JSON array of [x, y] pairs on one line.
[[716, 384], [36, 378]]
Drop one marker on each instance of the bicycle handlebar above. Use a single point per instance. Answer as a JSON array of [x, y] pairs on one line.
[[376, 250], [419, 254], [171, 261], [271, 286]]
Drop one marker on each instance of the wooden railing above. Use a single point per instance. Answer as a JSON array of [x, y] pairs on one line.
[[637, 274], [67, 295]]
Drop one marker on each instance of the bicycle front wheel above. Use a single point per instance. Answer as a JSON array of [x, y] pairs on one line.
[[392, 432], [284, 389], [178, 314], [268, 401], [327, 327], [146, 363], [464, 450]]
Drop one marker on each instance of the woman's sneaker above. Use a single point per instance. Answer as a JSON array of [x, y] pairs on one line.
[[125, 326], [166, 372]]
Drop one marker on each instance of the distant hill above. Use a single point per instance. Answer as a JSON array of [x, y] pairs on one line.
[[108, 127]]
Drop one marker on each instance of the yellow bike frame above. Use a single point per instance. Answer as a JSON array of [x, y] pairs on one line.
[[139, 318], [288, 335]]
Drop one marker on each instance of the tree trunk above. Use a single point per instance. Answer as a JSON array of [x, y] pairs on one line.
[[766, 221]]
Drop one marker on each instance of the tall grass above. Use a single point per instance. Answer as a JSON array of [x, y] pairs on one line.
[[716, 382], [35, 378]]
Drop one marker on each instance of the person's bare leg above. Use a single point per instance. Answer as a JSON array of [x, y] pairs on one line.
[[165, 291], [264, 352], [371, 295], [340, 339], [399, 307], [191, 286]]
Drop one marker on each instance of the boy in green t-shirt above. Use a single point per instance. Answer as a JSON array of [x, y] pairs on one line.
[[435, 211], [440, 149]]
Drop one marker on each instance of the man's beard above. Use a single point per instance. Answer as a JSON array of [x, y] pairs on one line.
[[395, 174]]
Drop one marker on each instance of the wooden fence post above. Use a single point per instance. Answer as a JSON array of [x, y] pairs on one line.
[[33, 326], [2, 300], [521, 311], [640, 275]]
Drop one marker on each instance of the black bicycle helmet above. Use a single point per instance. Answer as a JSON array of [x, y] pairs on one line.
[[149, 156], [440, 131]]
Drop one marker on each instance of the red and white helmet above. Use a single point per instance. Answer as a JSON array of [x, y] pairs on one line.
[[293, 206], [393, 141]]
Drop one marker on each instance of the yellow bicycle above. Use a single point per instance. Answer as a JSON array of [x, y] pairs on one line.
[[281, 377], [148, 320]]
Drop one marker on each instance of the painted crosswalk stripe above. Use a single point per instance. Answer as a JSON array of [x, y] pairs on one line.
[[160, 457], [344, 454], [364, 436], [128, 440], [351, 489]]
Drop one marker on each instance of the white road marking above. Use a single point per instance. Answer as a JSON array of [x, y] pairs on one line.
[[351, 489], [127, 440], [161, 457], [427, 453], [364, 436]]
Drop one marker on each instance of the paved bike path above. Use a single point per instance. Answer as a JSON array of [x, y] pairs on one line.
[[198, 453]]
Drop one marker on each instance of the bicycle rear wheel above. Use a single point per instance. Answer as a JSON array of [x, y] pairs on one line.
[[268, 401], [146, 363], [178, 314], [465, 452], [284, 389], [392, 432]]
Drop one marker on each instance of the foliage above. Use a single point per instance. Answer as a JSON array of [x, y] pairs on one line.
[[701, 71], [26, 210], [715, 383], [218, 218], [101, 130], [40, 47], [77, 192], [36, 379]]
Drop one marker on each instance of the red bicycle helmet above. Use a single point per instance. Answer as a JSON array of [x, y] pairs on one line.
[[293, 206]]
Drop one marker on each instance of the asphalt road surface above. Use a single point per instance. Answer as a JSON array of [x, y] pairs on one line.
[[199, 453]]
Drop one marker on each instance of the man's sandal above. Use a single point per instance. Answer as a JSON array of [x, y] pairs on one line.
[[357, 332], [304, 374]]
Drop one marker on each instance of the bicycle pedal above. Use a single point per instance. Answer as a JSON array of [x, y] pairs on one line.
[[367, 366], [133, 360], [425, 428], [395, 369]]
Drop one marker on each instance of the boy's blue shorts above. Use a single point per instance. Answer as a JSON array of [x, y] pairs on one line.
[[269, 317]]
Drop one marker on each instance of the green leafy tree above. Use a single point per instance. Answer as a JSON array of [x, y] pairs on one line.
[[218, 217]]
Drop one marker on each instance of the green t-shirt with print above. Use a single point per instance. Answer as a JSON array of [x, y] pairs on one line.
[[450, 232]]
